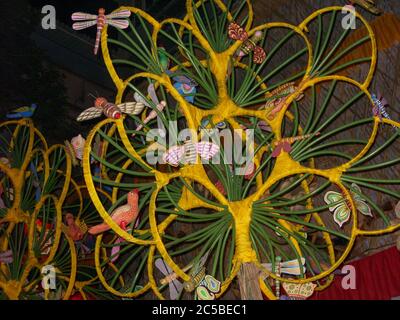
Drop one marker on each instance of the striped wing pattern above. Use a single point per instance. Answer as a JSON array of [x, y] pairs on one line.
[[119, 14], [83, 25], [121, 24], [132, 108], [79, 16], [174, 155], [89, 114], [206, 149]]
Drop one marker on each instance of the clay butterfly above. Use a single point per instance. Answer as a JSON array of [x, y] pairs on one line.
[[187, 153], [340, 208], [110, 110], [236, 32], [296, 291]]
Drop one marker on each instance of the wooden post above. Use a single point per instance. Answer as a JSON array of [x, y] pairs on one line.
[[248, 282]]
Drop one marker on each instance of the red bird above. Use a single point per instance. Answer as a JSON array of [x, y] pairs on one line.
[[123, 215]]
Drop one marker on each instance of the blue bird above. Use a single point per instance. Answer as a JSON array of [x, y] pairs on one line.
[[22, 112]]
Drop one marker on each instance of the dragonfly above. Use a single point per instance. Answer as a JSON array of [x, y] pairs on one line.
[[205, 285], [116, 19], [298, 291], [285, 144], [291, 267], [110, 110], [236, 32]]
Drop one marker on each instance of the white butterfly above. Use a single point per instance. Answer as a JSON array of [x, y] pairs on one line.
[[187, 153]]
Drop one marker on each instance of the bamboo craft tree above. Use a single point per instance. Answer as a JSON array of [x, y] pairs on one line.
[[37, 190], [279, 211]]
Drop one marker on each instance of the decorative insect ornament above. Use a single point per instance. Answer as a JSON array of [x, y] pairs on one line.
[[236, 32], [285, 144], [115, 19], [187, 153], [292, 267], [278, 98], [110, 110], [298, 291], [204, 285], [379, 108], [340, 207]]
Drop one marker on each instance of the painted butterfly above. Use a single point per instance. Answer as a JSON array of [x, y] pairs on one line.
[[341, 210], [236, 32]]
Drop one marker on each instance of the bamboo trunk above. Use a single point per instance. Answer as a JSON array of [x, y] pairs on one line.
[[248, 282]]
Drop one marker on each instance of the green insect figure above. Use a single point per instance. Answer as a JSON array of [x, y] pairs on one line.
[[341, 209]]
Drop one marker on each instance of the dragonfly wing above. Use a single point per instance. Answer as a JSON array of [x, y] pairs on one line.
[[293, 263], [139, 98], [119, 14], [79, 16], [121, 24], [83, 25], [152, 93], [342, 214], [163, 266], [133, 108], [89, 114], [175, 289], [333, 197]]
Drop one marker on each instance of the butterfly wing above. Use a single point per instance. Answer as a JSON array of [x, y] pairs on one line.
[[236, 32], [79, 16], [341, 214], [89, 114], [203, 294], [259, 55], [133, 108], [207, 150], [212, 284], [334, 198], [286, 146], [83, 25], [120, 24], [363, 207], [174, 155]]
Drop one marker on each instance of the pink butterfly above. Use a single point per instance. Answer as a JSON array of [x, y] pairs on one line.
[[187, 153]]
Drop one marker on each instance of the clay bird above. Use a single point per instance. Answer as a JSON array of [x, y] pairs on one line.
[[367, 5], [23, 112], [123, 215]]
